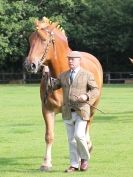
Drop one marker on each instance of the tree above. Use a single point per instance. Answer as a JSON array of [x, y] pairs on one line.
[[101, 27], [16, 24]]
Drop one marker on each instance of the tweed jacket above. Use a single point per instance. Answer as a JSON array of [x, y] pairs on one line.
[[83, 83]]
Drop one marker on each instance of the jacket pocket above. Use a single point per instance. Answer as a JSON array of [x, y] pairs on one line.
[[66, 114], [85, 112]]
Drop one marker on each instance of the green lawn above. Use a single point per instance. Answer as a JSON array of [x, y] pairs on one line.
[[22, 134]]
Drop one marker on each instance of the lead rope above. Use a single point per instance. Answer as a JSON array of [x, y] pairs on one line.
[[47, 84], [50, 41], [91, 105], [45, 77]]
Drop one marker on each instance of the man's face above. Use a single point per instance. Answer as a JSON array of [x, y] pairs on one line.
[[73, 62]]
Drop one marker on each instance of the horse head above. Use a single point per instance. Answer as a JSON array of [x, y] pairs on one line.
[[42, 44]]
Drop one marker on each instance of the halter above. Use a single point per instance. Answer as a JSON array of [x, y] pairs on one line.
[[46, 76], [50, 40]]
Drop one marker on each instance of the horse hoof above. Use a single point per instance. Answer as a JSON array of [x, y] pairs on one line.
[[45, 168]]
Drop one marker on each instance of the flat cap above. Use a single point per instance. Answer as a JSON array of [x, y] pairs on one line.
[[74, 54]]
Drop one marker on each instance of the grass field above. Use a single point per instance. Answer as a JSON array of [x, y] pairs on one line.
[[22, 134]]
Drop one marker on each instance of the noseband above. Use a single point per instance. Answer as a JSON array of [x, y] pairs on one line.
[[50, 40]]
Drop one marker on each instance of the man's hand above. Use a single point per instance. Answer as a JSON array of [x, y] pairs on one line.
[[45, 69], [83, 98]]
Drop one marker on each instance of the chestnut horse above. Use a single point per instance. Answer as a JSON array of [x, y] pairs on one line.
[[49, 46]]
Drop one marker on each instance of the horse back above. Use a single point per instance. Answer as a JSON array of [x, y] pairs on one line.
[[92, 64]]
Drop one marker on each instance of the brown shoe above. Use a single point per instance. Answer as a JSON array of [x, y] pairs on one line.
[[71, 169], [84, 165]]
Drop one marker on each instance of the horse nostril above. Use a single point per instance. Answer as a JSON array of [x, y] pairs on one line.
[[33, 66]]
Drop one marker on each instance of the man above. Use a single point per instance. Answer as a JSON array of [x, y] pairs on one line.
[[79, 87]]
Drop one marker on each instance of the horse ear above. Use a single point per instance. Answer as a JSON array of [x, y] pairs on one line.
[[42, 24], [37, 24], [41, 34]]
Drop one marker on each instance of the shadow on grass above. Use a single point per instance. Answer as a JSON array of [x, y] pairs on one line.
[[17, 165], [115, 116], [31, 171], [105, 118], [15, 161], [125, 112], [18, 125]]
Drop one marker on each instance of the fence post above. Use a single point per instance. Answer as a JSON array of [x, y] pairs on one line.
[[24, 78], [108, 78]]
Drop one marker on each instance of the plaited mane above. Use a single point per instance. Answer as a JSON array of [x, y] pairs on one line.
[[46, 23]]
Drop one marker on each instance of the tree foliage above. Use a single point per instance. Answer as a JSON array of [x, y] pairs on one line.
[[101, 27], [16, 24]]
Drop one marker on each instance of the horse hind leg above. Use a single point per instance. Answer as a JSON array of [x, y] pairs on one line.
[[89, 142], [49, 138]]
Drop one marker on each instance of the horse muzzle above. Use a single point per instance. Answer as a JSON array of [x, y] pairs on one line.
[[32, 67]]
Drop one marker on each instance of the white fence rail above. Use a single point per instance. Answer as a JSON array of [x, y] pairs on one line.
[[109, 77]]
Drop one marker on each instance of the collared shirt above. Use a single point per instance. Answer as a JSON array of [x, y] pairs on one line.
[[75, 72]]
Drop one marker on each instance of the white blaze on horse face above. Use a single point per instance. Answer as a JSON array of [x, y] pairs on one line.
[[37, 46]]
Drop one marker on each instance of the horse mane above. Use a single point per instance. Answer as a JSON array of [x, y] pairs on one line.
[[46, 23]]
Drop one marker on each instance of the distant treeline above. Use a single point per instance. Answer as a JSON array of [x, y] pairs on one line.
[[103, 28]]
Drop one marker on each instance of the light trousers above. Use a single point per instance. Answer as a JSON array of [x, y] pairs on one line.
[[76, 132]]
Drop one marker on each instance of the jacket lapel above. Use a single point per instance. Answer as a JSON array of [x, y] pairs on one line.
[[68, 77], [78, 74]]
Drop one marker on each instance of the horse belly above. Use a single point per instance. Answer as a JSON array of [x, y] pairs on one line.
[[54, 101]]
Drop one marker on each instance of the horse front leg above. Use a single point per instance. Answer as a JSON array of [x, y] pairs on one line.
[[49, 138]]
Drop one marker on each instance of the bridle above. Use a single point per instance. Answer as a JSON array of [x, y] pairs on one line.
[[49, 41], [46, 76]]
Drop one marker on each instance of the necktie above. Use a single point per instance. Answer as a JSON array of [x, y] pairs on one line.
[[71, 76]]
